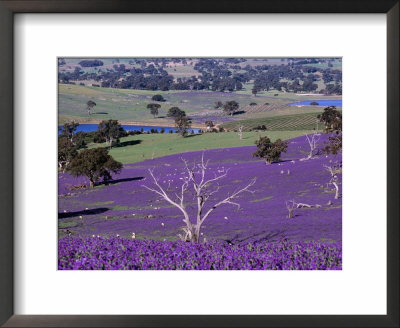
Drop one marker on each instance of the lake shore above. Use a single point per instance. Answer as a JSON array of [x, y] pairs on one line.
[[82, 120]]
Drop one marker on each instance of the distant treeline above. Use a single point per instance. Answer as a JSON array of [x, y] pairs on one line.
[[214, 74], [91, 63]]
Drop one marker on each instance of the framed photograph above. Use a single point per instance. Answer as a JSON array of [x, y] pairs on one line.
[[216, 165]]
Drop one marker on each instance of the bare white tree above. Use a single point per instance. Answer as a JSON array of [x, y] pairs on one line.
[[203, 189], [290, 205], [313, 142], [240, 131], [333, 171]]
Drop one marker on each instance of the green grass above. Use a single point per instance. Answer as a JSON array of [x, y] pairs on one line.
[[285, 123], [158, 145], [262, 199]]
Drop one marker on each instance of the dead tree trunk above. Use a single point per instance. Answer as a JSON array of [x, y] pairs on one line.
[[240, 132], [313, 143], [333, 170], [203, 190], [290, 205], [337, 189]]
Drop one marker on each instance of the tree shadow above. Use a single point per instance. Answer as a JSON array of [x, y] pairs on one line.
[[259, 237], [239, 112], [192, 135], [101, 113], [282, 161], [84, 212], [111, 182], [127, 143]]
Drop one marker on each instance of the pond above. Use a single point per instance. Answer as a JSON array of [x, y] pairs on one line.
[[93, 127], [321, 103]]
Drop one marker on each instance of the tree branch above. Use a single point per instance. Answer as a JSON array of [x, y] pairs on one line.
[[228, 200]]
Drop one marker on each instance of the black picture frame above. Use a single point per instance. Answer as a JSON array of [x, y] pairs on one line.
[[10, 7]]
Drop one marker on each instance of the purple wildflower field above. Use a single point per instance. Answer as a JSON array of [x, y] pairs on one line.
[[96, 225], [98, 253]]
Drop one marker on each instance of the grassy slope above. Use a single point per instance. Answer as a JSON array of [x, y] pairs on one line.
[[128, 105], [141, 147]]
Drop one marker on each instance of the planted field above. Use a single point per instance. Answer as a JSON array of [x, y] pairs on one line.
[[297, 122]]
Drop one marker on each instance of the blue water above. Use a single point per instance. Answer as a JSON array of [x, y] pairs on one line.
[[321, 103], [93, 127]]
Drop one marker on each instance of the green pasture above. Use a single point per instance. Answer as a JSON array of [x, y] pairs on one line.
[[138, 148]]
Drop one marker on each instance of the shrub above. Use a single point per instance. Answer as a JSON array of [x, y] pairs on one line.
[[157, 98], [94, 163], [270, 151]]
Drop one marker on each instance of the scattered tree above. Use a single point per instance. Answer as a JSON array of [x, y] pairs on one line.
[[203, 186], [230, 107], [209, 125], [89, 106], [218, 104], [175, 112], [66, 152], [182, 124], [270, 151], [68, 130], [153, 109], [332, 120], [94, 163], [259, 127], [334, 146], [111, 131], [78, 139]]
